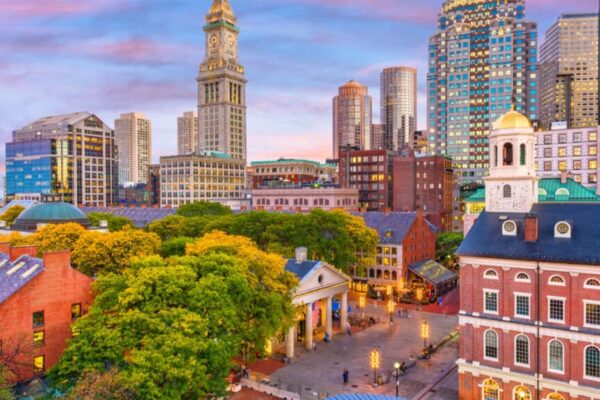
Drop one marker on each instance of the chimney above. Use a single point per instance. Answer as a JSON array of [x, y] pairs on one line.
[[301, 255], [531, 227], [563, 177]]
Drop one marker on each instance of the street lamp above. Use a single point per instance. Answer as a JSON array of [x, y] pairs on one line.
[[390, 308], [361, 304], [375, 361], [388, 290], [397, 366], [425, 332]]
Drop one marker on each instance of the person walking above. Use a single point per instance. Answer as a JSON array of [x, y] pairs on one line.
[[346, 376]]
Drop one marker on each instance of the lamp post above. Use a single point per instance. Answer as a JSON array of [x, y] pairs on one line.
[[425, 332], [361, 304], [390, 308], [375, 361], [397, 366]]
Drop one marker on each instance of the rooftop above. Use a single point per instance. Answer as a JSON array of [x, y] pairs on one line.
[[301, 270], [392, 227], [141, 217], [512, 120], [58, 120], [15, 275], [291, 161]]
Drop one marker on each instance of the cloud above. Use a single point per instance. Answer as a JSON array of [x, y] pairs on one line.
[[48, 8]]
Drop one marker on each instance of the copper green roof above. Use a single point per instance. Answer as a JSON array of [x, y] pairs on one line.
[[46, 212], [552, 190], [290, 161]]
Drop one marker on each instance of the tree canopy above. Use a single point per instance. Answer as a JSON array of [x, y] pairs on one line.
[[115, 222], [446, 246], [5, 390], [203, 208], [10, 215], [170, 328]]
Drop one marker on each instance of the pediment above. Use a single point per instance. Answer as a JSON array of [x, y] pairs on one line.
[[322, 277]]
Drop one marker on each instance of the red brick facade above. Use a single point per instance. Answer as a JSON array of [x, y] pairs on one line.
[[563, 375], [54, 291]]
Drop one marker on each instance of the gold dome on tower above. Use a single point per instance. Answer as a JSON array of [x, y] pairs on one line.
[[221, 11], [512, 120]]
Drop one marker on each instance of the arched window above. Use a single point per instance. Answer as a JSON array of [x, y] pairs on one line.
[[562, 192], [507, 191], [592, 362], [495, 156], [491, 274], [556, 280], [386, 275], [522, 393], [491, 390], [371, 273], [491, 345], [507, 154], [522, 155], [556, 356], [378, 274], [522, 350], [555, 396], [592, 284], [394, 276], [522, 277]]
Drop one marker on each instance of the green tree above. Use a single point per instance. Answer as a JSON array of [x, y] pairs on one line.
[[446, 245], [6, 392], [169, 328], [10, 215], [115, 222], [96, 386], [175, 247], [203, 208]]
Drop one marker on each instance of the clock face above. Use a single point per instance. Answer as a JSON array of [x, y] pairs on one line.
[[213, 40], [231, 40]]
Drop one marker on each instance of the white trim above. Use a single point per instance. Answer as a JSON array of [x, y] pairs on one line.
[[518, 364], [559, 235], [494, 277], [505, 232], [531, 265], [564, 311], [555, 371], [528, 295], [563, 283], [528, 280], [591, 378], [585, 324], [485, 357], [497, 292], [593, 287]]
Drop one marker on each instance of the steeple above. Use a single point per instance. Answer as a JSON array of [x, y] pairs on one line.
[[221, 11]]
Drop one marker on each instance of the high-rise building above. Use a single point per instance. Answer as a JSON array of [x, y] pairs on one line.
[[377, 133], [569, 72], [133, 136], [71, 155], [398, 106], [482, 61], [187, 133], [352, 117], [221, 86]]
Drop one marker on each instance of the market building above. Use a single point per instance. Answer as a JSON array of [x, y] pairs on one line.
[[305, 199], [289, 171]]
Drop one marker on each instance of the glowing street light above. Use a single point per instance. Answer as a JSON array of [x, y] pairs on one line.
[[425, 332], [388, 290], [390, 308], [375, 362], [361, 304], [397, 366]]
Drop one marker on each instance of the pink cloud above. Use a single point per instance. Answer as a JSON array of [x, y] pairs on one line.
[[44, 8], [136, 50]]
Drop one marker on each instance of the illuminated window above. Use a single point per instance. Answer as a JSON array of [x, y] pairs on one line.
[[592, 164], [39, 338], [562, 151], [592, 314], [39, 364], [491, 391], [75, 311], [522, 393], [562, 166]]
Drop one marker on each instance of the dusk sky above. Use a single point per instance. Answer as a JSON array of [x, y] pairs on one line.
[[113, 56]]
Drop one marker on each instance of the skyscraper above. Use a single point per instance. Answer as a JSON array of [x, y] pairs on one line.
[[187, 133], [352, 117], [377, 133], [133, 135], [221, 86], [482, 61], [569, 72], [398, 106]]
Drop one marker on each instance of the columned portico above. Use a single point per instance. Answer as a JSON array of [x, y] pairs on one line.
[[344, 312], [328, 318], [308, 331], [290, 341]]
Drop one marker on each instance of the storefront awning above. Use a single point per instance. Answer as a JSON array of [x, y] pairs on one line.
[[432, 272]]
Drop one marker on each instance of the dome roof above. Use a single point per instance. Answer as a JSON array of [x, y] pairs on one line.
[[354, 84], [49, 213], [512, 120]]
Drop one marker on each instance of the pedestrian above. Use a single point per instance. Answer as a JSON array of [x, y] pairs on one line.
[[349, 329], [314, 346], [346, 376]]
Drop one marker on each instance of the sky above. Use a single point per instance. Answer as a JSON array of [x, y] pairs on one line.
[[114, 56]]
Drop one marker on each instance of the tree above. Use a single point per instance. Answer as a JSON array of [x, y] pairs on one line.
[[5, 389], [56, 237], [446, 245], [168, 329], [175, 247], [115, 222], [203, 208], [10, 215], [97, 252], [100, 386]]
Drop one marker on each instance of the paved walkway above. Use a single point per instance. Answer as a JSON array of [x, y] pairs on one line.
[[249, 394]]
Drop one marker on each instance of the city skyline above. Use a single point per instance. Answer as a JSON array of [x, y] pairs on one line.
[[144, 56]]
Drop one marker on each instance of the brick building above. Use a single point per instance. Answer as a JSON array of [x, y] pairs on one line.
[[40, 298], [530, 285], [369, 171], [289, 171], [425, 183], [304, 199]]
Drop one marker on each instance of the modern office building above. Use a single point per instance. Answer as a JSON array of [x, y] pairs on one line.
[[290, 172], [569, 72], [71, 155], [352, 117], [305, 199], [377, 136], [482, 61], [425, 183], [398, 106], [569, 151], [530, 285], [369, 171], [153, 185], [221, 86], [187, 133], [204, 176], [133, 136]]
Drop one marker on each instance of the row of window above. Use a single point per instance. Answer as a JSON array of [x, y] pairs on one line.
[[554, 280]]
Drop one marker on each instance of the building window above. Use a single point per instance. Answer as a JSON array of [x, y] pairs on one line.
[[490, 301], [592, 284], [562, 138], [522, 350], [592, 137], [522, 155], [592, 314], [39, 338], [490, 274], [547, 151], [507, 154], [592, 150], [39, 364], [75, 311], [562, 151], [577, 150], [507, 192], [522, 277], [555, 396], [547, 165], [491, 345], [491, 391], [556, 310], [592, 362], [562, 166], [555, 356], [592, 164], [522, 393], [522, 305], [556, 280], [547, 139], [38, 319]]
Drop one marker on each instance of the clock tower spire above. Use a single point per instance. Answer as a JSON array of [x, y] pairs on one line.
[[221, 85]]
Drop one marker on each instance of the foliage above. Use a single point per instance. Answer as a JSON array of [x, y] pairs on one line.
[[10, 215], [100, 386], [175, 226], [97, 252], [175, 247], [203, 208], [5, 389], [446, 246], [168, 329], [115, 222]]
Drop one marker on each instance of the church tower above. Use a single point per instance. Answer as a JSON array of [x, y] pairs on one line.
[[221, 86], [512, 184]]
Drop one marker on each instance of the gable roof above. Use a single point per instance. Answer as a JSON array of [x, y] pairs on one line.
[[432, 271], [301, 270], [392, 227], [485, 239], [14, 275]]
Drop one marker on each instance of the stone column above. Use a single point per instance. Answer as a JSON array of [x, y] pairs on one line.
[[308, 331], [328, 318], [344, 312], [290, 341]]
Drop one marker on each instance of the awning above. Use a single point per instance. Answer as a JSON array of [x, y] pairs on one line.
[[432, 272]]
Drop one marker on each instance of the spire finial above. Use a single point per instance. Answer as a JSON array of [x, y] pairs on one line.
[[221, 11]]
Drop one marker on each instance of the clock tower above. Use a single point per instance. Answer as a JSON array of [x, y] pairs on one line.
[[221, 86]]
